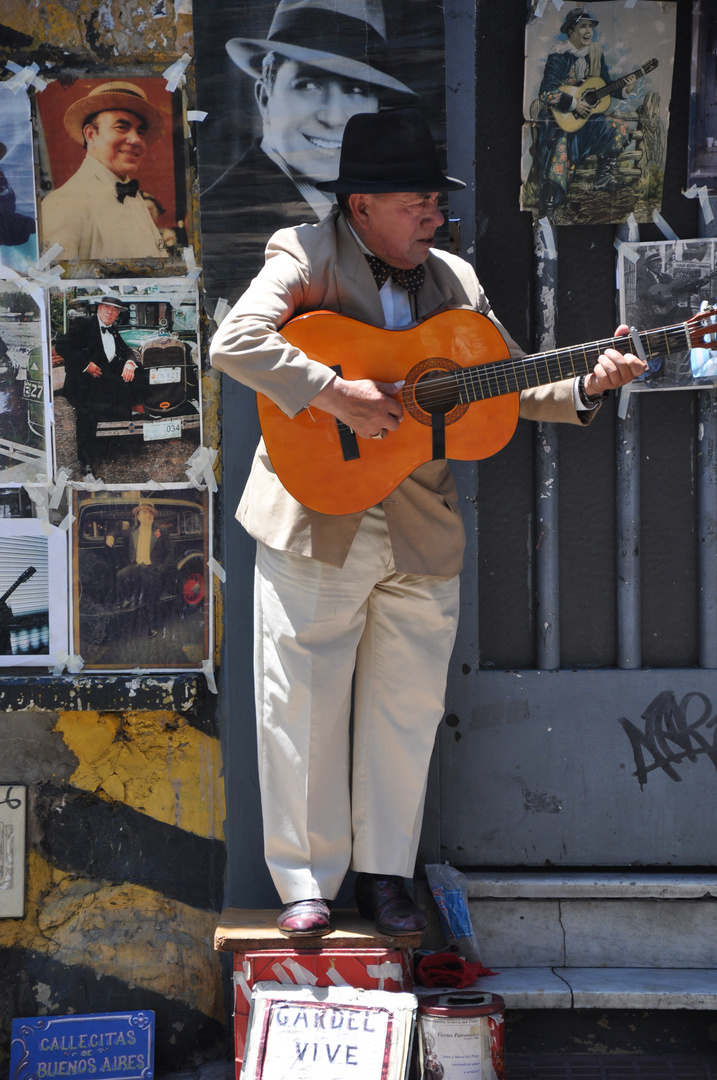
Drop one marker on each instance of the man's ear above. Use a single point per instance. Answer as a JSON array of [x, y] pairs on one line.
[[359, 205], [262, 96]]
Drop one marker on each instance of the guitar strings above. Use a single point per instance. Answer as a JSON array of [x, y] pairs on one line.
[[499, 377]]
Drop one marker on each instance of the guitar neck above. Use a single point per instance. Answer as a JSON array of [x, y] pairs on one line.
[[513, 375], [619, 83]]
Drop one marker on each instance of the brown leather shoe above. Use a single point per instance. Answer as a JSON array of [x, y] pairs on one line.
[[386, 901], [305, 918]]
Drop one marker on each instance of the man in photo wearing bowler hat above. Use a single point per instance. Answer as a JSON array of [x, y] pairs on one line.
[[103, 378], [321, 62], [571, 61], [359, 608], [99, 213]]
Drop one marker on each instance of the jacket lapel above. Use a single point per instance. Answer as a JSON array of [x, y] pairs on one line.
[[357, 292], [432, 298]]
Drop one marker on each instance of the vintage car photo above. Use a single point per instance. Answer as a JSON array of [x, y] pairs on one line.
[[139, 566], [126, 382]]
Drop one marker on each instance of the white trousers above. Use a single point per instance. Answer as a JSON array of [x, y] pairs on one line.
[[318, 629]]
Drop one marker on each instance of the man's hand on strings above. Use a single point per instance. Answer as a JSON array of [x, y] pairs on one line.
[[369, 408], [613, 369]]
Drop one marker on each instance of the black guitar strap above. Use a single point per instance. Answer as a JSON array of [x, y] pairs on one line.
[[438, 428]]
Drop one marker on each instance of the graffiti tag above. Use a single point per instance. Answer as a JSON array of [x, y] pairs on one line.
[[672, 734]]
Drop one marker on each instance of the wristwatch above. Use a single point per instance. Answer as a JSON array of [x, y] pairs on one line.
[[589, 402]]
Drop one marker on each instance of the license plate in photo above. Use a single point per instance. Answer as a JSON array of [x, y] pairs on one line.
[[164, 375], [162, 429], [32, 390]]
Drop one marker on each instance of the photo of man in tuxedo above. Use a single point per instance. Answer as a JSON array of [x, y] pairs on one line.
[[103, 377]]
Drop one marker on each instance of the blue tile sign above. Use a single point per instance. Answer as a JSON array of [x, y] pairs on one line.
[[105, 1046]]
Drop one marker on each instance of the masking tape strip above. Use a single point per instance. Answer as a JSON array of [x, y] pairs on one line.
[[336, 978], [23, 77], [706, 206], [208, 670], [221, 310], [39, 495], [201, 464], [548, 235], [630, 3], [627, 250], [540, 8], [240, 980], [196, 114], [282, 975], [385, 971], [50, 254], [175, 72], [217, 568], [662, 225], [69, 661], [62, 477], [633, 229], [67, 521], [301, 974], [624, 402]]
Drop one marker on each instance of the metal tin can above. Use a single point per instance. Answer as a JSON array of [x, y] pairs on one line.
[[461, 1036]]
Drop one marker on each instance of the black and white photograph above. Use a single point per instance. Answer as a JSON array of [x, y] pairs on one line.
[[126, 381], [33, 572], [141, 595], [664, 284], [18, 226], [24, 420], [112, 177], [279, 82], [598, 79]]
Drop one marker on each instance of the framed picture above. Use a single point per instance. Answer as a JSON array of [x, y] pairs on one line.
[[18, 225], [113, 172], [24, 383], [140, 596], [265, 73], [33, 631], [663, 284], [126, 379], [598, 80]]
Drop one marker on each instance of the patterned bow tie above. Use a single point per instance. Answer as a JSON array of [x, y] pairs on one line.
[[123, 190], [410, 280]]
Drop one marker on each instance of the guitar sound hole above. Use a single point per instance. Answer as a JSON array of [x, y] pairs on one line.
[[436, 392]]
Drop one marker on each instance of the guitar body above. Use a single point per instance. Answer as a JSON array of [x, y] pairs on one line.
[[307, 452], [566, 120]]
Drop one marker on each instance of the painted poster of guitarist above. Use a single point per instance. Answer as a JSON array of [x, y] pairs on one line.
[[597, 139]]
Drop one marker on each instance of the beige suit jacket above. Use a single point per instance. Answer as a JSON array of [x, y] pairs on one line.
[[315, 267]]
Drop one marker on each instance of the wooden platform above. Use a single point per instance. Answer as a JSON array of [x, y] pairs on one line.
[[249, 930]]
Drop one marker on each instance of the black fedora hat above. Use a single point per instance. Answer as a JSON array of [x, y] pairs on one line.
[[391, 150]]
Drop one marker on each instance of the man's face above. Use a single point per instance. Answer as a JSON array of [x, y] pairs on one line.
[[398, 227], [305, 113], [581, 34], [107, 314], [118, 141], [145, 516]]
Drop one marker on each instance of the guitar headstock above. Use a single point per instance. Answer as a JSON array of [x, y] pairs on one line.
[[650, 66], [702, 328], [26, 574]]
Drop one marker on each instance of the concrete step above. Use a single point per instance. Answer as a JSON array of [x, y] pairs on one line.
[[603, 988], [590, 921]]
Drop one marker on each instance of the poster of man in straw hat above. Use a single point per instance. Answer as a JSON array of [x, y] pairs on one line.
[[296, 71], [109, 149]]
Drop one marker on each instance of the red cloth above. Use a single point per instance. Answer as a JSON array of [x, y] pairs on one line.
[[447, 969]]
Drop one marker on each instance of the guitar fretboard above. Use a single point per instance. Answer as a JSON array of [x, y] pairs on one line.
[[512, 375]]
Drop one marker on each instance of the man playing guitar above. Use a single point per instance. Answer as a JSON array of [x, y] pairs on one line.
[[355, 613]]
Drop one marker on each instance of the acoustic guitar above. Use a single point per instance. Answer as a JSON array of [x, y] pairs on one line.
[[451, 361], [596, 93]]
